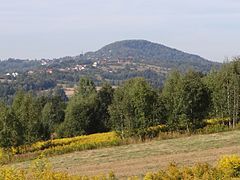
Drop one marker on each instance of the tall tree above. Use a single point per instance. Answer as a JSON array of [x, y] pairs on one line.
[[11, 133], [28, 112], [60, 93], [85, 87], [133, 106], [53, 113], [225, 90], [171, 95], [81, 111], [105, 96], [194, 100], [187, 100]]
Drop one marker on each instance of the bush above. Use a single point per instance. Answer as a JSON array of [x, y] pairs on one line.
[[214, 121], [60, 146], [12, 174], [214, 128], [5, 156], [142, 134], [199, 171], [230, 165], [41, 170]]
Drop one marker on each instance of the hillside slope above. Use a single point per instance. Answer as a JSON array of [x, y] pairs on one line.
[[114, 63], [136, 159], [152, 53]]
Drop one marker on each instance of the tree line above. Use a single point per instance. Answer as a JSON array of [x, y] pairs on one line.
[[182, 104]]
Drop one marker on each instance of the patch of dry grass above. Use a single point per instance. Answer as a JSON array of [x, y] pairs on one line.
[[136, 159]]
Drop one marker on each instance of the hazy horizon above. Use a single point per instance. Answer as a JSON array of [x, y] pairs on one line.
[[58, 28]]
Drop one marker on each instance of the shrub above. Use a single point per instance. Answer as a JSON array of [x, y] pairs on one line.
[[41, 170], [12, 174], [65, 145], [5, 156], [142, 134], [230, 165], [214, 121], [213, 128], [199, 171], [1, 154]]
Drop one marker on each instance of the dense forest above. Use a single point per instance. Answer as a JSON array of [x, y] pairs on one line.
[[152, 53], [183, 103]]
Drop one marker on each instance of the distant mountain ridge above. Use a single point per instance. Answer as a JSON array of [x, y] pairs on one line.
[[114, 63], [142, 49], [135, 50], [149, 52]]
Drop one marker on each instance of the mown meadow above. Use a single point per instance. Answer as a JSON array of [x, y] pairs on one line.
[[228, 167]]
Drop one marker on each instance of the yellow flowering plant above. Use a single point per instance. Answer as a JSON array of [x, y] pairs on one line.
[[230, 165]]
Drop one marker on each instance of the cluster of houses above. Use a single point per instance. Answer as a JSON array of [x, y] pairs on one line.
[[76, 68], [14, 74]]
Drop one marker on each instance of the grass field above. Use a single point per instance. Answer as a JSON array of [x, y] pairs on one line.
[[136, 159]]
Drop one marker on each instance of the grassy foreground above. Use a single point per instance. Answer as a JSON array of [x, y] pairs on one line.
[[137, 159]]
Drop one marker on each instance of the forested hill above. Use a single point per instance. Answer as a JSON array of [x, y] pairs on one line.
[[151, 53], [137, 51], [113, 63]]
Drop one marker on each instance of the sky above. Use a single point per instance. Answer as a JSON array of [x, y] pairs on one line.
[[35, 29]]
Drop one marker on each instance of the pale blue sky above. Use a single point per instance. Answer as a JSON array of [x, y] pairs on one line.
[[55, 28]]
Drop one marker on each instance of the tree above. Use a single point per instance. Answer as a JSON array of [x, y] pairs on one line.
[[10, 128], [187, 100], [194, 100], [28, 112], [171, 98], [236, 91], [225, 90], [217, 85], [133, 106], [85, 87], [53, 113], [105, 96], [60, 93], [159, 114], [81, 111], [18, 99]]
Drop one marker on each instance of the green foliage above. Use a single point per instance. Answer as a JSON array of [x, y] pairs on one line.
[[152, 53], [182, 105], [225, 89], [59, 93], [187, 100], [171, 98], [10, 128], [133, 106], [105, 96], [85, 87], [28, 112], [194, 100], [53, 114], [138, 52], [81, 111], [22, 65], [213, 129], [143, 134]]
